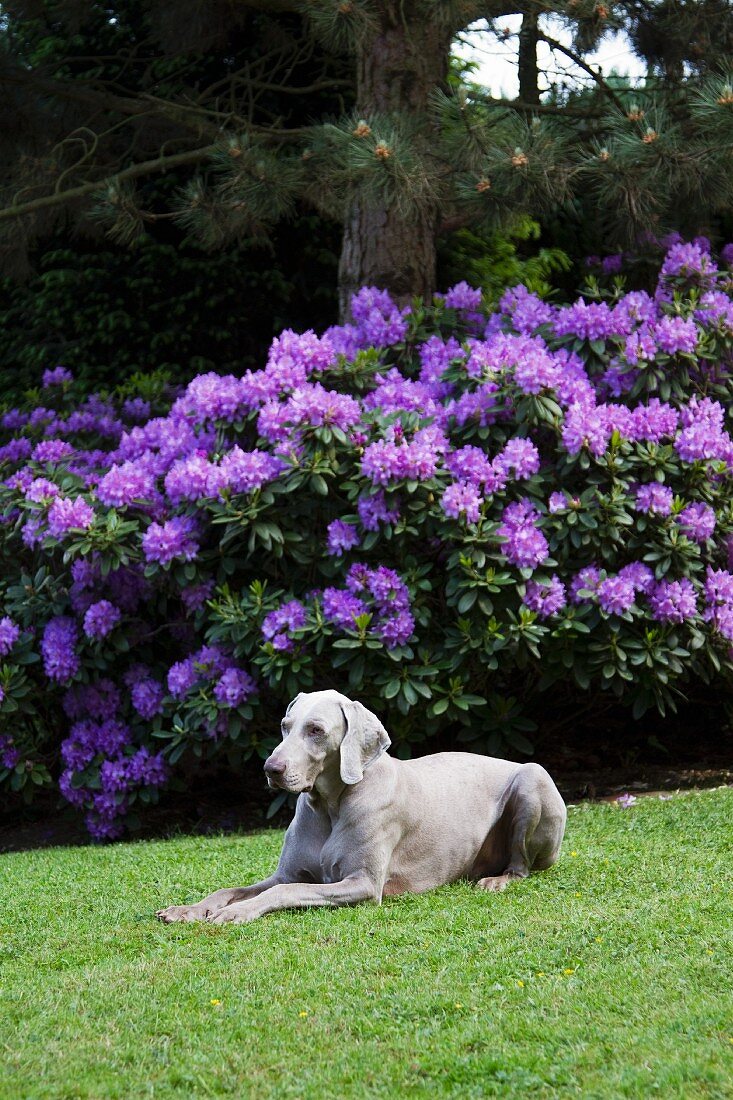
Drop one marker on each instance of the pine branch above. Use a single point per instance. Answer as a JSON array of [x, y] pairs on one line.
[[144, 168], [582, 64]]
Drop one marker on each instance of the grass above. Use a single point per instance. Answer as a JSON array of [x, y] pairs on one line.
[[607, 976]]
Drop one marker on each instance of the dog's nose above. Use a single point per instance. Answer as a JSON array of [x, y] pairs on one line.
[[274, 767]]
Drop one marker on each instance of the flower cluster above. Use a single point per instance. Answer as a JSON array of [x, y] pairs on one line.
[[403, 502]]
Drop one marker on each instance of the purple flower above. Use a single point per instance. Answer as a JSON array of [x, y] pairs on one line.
[[654, 421], [16, 450], [640, 346], [52, 450], [342, 608], [558, 502], [341, 537], [392, 459], [639, 575], [380, 591], [289, 617], [193, 477], [194, 596], [125, 484], [245, 471], [436, 356], [702, 436], [388, 588], [56, 377], [471, 464], [397, 629], [181, 677], [110, 735], [113, 775], [626, 800], [526, 311], [171, 541], [76, 796], [98, 700], [41, 490], [675, 334], [585, 426], [464, 297], [211, 397], [688, 260], [395, 393], [212, 659], [673, 601], [101, 619], [377, 319], [616, 595], [233, 687], [146, 769], [718, 591], [9, 754], [136, 409], [33, 532], [462, 499], [103, 827], [9, 634], [586, 320], [65, 515], [373, 510], [147, 697], [697, 520], [611, 265], [587, 580], [60, 660], [525, 546], [520, 456], [655, 499], [546, 598]]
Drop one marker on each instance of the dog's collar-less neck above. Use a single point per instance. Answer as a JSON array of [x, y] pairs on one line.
[[327, 792]]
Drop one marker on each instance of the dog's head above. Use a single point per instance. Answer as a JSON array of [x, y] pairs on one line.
[[323, 731]]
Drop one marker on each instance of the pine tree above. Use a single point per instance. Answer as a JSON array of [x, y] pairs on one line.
[[248, 111]]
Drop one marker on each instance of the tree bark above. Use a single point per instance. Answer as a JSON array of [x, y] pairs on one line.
[[398, 66], [529, 91]]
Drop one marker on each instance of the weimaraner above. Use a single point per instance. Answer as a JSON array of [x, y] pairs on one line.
[[367, 825]]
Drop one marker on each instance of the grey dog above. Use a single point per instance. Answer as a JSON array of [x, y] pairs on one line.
[[367, 825]]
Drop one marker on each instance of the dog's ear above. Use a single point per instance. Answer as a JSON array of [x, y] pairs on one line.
[[364, 741], [292, 703]]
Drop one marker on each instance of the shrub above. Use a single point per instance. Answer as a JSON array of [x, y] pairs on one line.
[[430, 508]]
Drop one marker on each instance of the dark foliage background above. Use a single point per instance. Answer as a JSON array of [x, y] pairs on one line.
[[107, 312]]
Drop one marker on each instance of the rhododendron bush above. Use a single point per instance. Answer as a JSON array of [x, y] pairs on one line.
[[429, 508]]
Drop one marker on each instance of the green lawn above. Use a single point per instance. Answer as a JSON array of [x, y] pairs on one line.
[[608, 976]]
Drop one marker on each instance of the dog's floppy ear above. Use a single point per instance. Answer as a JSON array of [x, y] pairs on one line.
[[364, 741], [292, 703]]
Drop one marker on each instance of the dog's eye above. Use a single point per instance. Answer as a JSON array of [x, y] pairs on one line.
[[315, 731], [285, 729]]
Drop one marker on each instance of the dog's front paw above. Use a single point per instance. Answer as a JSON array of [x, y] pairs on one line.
[[234, 914], [497, 883], [185, 913]]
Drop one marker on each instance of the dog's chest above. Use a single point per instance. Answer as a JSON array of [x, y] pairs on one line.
[[331, 869]]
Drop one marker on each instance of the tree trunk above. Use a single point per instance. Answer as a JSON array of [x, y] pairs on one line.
[[398, 66], [529, 91]]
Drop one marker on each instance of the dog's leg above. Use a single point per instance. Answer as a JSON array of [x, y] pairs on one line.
[[535, 823], [210, 905], [300, 895]]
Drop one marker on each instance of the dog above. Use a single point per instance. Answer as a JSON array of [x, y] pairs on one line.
[[367, 825]]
